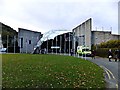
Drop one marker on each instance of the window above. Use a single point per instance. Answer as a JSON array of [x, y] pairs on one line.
[[21, 42], [29, 41]]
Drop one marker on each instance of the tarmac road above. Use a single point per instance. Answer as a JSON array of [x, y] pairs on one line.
[[110, 68]]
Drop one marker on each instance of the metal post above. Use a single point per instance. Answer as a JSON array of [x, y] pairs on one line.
[[56, 44], [60, 44], [52, 46], [69, 44], [40, 46], [96, 43], [14, 43], [20, 43], [47, 44], [65, 45], [85, 40], [26, 45], [7, 43], [74, 45]]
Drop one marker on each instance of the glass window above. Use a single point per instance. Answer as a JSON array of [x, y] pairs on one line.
[[21, 42], [29, 41]]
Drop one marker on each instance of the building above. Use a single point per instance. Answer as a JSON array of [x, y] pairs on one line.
[[60, 44], [9, 38], [102, 36], [84, 35], [28, 40]]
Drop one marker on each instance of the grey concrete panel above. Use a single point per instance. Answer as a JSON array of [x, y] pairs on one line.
[[83, 32], [30, 39]]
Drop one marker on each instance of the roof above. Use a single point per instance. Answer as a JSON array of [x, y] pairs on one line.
[[28, 30]]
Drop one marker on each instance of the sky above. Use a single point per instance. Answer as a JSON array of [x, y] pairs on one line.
[[46, 15]]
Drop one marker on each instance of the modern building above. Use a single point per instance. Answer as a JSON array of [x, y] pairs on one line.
[[61, 43], [103, 36], [28, 40], [9, 38], [85, 35]]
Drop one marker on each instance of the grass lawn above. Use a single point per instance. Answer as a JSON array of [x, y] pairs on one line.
[[49, 71]]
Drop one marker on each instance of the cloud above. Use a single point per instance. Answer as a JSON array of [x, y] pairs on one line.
[[45, 15]]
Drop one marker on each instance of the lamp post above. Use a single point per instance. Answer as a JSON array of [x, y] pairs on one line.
[[7, 42]]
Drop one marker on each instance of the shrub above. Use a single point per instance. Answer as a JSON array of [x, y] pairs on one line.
[[110, 44], [103, 52]]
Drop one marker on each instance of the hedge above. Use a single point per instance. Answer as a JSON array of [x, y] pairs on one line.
[[103, 52]]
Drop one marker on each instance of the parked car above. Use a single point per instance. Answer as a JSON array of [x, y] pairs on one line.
[[3, 50]]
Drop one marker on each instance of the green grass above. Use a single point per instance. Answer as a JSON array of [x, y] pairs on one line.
[[49, 71]]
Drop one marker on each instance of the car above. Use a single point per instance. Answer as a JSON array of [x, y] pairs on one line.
[[3, 50]]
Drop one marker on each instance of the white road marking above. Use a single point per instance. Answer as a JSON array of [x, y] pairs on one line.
[[108, 72]]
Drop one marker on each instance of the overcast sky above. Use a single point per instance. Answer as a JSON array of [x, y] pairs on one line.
[[45, 15]]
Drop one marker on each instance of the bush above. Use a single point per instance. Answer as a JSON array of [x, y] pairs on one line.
[[110, 44], [103, 52]]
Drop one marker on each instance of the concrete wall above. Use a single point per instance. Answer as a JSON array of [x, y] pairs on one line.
[[28, 36], [100, 36], [115, 37], [103, 36], [83, 32]]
